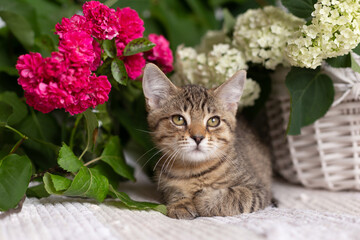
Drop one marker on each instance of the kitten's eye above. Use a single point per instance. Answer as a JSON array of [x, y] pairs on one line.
[[213, 122], [178, 120]]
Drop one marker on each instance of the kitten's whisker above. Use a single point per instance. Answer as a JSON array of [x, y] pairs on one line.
[[144, 154], [152, 157], [173, 163], [167, 161], [160, 159], [141, 130]]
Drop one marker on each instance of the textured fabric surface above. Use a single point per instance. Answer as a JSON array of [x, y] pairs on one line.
[[302, 214]]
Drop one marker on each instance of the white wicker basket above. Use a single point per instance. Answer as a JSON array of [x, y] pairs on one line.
[[327, 153]]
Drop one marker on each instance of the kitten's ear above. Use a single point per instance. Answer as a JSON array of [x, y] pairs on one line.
[[230, 91], [156, 86]]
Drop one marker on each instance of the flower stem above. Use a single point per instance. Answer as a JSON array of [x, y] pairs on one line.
[[92, 161], [16, 131], [72, 136], [17, 145]]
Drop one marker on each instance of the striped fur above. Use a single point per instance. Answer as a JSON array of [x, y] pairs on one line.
[[228, 173]]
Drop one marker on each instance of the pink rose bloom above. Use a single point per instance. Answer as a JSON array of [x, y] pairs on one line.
[[131, 25], [104, 21], [78, 48], [75, 79], [97, 92], [30, 68], [161, 54], [76, 23], [55, 65], [134, 65], [30, 65], [53, 83], [38, 103]]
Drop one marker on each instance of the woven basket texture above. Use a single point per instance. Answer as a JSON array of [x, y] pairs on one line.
[[326, 154]]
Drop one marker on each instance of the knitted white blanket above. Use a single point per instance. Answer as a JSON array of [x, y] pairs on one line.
[[302, 214]]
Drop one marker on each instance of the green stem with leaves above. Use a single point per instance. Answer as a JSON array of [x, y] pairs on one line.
[[92, 161], [18, 144]]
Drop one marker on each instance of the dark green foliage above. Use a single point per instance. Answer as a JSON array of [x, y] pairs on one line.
[[312, 94]]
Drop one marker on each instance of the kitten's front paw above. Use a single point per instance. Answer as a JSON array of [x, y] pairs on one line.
[[182, 211]]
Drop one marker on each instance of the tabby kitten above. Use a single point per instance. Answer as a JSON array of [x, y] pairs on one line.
[[210, 165]]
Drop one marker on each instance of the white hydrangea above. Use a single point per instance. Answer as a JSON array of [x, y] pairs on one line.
[[214, 68], [334, 31], [262, 35], [250, 94], [223, 62]]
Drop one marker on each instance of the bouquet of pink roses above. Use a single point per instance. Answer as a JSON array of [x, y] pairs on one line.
[[102, 49], [102, 35]]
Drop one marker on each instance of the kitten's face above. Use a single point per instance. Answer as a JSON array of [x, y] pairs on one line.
[[192, 125]]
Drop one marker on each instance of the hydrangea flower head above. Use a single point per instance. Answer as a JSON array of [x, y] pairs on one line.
[[213, 68], [262, 35], [334, 31], [161, 54]]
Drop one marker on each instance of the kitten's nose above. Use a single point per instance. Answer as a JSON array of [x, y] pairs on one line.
[[197, 138]]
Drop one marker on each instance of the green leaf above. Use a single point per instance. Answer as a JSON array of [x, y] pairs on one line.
[[300, 8], [37, 191], [113, 155], [67, 159], [20, 27], [137, 46], [45, 44], [357, 49], [19, 108], [91, 125], [109, 48], [88, 183], [118, 71], [354, 65], [55, 184], [340, 62], [312, 94], [124, 198], [15, 173], [5, 112], [104, 169], [104, 117]]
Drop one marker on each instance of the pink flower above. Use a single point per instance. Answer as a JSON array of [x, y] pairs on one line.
[[104, 21], [53, 83], [29, 65], [97, 92], [30, 68], [131, 25], [76, 23], [38, 103], [75, 79], [78, 48], [55, 65], [161, 54], [134, 65]]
